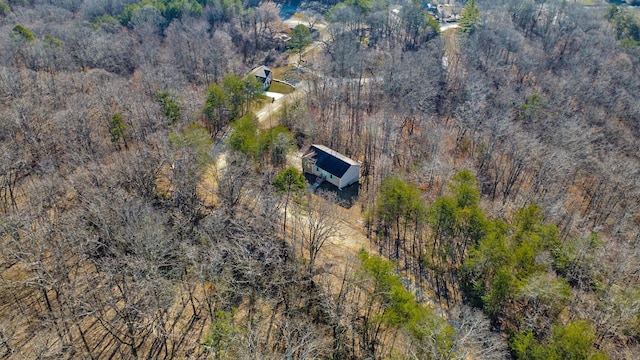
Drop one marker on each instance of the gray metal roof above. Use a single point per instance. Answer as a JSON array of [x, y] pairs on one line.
[[261, 71]]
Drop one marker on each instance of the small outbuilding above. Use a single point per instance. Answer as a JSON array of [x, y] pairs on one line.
[[264, 74], [331, 166]]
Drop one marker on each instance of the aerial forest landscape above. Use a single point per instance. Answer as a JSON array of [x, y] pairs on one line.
[[366, 179]]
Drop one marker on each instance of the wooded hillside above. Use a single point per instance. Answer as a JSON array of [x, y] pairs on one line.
[[146, 212]]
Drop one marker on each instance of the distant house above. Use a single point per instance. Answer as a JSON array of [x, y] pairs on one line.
[[331, 166], [264, 74]]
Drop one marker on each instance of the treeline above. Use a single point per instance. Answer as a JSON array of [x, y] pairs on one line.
[[180, 41], [517, 270], [230, 101], [125, 234], [112, 243], [539, 102], [522, 97]]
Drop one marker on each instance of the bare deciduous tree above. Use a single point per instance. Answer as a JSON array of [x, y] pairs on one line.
[[316, 221]]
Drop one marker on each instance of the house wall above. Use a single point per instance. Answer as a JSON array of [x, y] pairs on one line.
[[309, 168], [332, 179], [327, 176], [351, 176]]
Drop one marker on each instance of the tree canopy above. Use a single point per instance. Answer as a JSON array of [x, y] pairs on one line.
[[230, 100], [24, 33], [300, 38], [470, 17], [289, 180]]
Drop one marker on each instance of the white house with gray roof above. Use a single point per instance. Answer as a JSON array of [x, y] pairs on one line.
[[331, 166], [264, 74]]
